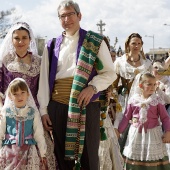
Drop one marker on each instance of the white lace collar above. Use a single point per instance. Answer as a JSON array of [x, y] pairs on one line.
[[143, 104], [20, 114], [128, 71], [13, 65], [138, 99]]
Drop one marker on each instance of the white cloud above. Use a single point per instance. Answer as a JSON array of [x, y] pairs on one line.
[[121, 18]]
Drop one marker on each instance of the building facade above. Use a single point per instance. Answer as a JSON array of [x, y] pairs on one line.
[[158, 53]]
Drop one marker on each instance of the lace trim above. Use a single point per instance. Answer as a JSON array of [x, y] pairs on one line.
[[145, 146], [138, 100], [12, 64], [153, 100], [23, 114], [129, 72], [151, 156]]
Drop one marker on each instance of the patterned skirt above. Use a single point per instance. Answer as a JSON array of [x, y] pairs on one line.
[[26, 157], [51, 159]]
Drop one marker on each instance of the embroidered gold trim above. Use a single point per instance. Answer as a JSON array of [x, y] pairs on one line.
[[145, 163]]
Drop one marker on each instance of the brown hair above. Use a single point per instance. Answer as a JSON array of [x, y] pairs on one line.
[[16, 85], [133, 35], [144, 76]]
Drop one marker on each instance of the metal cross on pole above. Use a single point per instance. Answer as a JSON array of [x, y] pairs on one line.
[[101, 25]]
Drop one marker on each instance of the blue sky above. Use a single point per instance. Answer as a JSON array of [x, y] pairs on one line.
[[147, 17]]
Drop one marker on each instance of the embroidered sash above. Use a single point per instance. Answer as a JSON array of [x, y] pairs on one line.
[[75, 132], [62, 89]]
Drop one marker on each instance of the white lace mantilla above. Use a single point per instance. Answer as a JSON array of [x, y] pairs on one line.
[[138, 100], [13, 64]]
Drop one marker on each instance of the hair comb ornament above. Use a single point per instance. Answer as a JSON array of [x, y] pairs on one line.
[[22, 23]]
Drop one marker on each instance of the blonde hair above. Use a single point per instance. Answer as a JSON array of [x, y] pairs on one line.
[[144, 76]]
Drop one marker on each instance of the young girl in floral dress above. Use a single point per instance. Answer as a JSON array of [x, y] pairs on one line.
[[22, 139]]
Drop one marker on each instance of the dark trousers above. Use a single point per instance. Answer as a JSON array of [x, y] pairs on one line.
[[58, 114]]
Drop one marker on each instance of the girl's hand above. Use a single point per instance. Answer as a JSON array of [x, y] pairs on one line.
[[166, 137], [44, 163]]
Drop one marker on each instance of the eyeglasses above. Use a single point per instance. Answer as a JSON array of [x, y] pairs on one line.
[[69, 15]]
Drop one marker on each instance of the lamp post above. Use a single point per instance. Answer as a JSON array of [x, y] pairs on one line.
[[167, 24], [151, 36]]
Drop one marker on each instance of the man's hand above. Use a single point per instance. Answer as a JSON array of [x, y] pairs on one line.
[[85, 96], [46, 122]]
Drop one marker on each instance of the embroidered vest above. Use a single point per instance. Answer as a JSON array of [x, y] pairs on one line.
[[19, 131]]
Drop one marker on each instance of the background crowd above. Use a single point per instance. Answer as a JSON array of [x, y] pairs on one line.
[[82, 105]]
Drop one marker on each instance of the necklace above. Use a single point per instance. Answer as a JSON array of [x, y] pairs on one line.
[[22, 56], [22, 62], [134, 62]]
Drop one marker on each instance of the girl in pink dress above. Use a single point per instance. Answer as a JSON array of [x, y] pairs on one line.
[[145, 146]]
